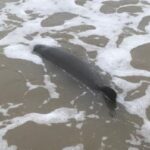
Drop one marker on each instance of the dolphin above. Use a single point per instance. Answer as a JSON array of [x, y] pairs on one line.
[[81, 70]]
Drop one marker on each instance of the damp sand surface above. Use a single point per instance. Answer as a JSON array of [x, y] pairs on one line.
[[43, 107]]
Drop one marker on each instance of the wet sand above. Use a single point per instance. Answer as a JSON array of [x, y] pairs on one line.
[[99, 131]]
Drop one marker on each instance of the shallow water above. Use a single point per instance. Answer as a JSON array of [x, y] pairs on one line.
[[42, 107]]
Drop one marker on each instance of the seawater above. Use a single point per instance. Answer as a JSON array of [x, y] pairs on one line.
[[42, 107]]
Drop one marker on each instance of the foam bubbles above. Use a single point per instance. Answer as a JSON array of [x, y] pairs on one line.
[[21, 23], [60, 115], [4, 111], [48, 85], [76, 147], [22, 52]]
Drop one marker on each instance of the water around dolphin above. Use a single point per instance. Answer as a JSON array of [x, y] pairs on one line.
[[81, 70]]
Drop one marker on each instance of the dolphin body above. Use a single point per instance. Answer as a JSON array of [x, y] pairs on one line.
[[81, 70]]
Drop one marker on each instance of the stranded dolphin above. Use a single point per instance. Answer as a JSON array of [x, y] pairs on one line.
[[81, 70]]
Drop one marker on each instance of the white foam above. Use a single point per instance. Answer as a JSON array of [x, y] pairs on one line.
[[48, 85], [133, 148], [145, 130], [133, 140], [79, 125], [31, 86], [93, 116], [61, 115], [22, 52], [51, 87], [4, 111], [103, 145], [119, 62], [76, 147], [113, 58]]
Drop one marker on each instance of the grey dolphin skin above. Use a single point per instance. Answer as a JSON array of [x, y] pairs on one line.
[[81, 70]]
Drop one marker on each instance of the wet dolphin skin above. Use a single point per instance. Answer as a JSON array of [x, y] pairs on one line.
[[81, 70]]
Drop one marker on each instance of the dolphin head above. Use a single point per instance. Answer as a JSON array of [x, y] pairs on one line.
[[39, 48]]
